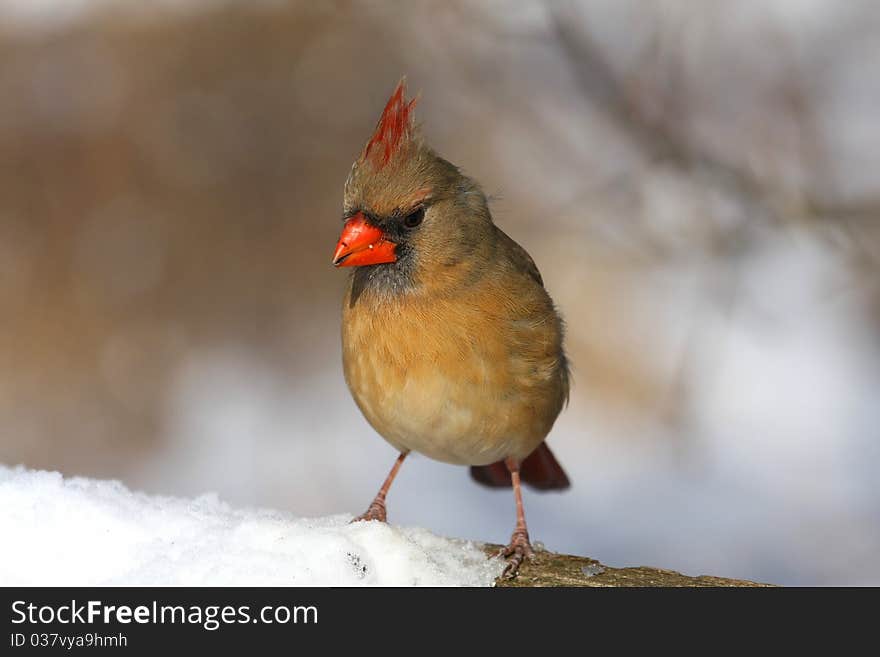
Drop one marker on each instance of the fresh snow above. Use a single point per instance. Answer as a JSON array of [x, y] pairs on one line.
[[82, 532]]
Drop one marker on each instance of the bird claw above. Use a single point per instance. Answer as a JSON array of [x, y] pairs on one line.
[[519, 549], [376, 511]]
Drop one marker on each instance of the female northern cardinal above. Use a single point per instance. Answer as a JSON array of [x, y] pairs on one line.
[[451, 344]]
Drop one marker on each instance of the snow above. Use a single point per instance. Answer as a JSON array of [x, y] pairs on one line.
[[82, 532]]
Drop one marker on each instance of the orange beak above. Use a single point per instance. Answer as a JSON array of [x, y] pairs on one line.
[[362, 244]]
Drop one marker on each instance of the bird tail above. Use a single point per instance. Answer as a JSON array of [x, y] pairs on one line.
[[539, 470]]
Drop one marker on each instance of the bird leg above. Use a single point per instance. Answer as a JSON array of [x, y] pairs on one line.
[[519, 547], [376, 510]]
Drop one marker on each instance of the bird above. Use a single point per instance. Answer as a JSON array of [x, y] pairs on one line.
[[451, 345]]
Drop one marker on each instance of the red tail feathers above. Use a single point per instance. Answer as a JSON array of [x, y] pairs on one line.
[[540, 470]]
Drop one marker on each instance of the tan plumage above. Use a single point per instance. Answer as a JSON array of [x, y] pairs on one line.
[[470, 371], [453, 349]]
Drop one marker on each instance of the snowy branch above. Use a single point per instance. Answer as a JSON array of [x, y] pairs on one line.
[[83, 532]]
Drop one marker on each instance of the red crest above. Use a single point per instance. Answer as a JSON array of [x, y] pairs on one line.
[[394, 128]]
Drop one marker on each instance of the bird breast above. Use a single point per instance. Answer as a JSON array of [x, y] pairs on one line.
[[468, 380]]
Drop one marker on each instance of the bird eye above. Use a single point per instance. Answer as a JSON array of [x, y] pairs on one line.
[[414, 218]]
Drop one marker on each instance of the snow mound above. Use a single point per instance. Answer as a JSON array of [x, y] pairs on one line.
[[82, 532]]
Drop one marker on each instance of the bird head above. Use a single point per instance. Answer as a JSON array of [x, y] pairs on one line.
[[406, 209]]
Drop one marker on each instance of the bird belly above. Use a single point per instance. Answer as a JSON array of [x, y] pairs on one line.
[[450, 411]]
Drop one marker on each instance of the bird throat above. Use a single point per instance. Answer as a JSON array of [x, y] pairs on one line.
[[387, 280]]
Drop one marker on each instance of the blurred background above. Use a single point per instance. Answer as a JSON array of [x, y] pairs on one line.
[[699, 184]]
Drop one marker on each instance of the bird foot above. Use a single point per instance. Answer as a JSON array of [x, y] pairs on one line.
[[519, 549], [376, 511]]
